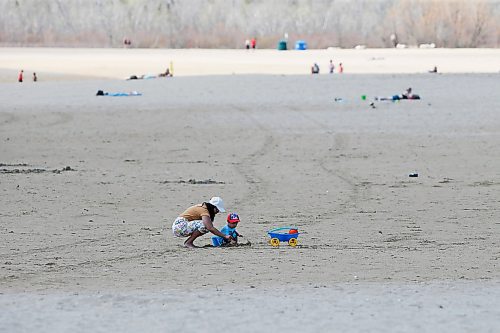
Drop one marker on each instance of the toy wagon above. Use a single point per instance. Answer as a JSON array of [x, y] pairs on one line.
[[284, 234]]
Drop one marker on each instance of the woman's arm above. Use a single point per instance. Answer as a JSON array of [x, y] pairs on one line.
[[210, 227]]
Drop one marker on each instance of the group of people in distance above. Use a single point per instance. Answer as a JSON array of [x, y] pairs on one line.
[[331, 67], [251, 43], [127, 42], [20, 77], [340, 68]]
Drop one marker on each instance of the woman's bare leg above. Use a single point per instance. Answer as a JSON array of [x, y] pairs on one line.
[[190, 240]]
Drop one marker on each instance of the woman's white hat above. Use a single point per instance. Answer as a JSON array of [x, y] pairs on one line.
[[217, 202]]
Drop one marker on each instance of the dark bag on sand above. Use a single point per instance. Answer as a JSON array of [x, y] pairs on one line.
[[100, 93]]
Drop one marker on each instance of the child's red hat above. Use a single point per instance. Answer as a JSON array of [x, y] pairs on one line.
[[233, 218]]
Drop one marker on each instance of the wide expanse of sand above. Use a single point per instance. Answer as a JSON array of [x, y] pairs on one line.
[[57, 64], [89, 188]]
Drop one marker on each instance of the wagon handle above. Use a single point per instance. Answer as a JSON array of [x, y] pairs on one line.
[[282, 228]]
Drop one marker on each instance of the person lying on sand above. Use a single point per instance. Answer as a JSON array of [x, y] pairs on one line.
[[409, 95], [229, 229], [406, 95], [166, 74], [141, 77], [117, 94], [198, 220]]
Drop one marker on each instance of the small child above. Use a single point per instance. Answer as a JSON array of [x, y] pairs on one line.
[[229, 229]]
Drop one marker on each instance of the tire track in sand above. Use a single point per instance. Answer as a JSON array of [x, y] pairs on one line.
[[257, 185], [356, 189]]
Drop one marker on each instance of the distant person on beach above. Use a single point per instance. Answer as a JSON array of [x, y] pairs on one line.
[[143, 77], [229, 229], [390, 98], [198, 220], [247, 44], [341, 68], [35, 78], [315, 69], [434, 70], [408, 94], [117, 94], [20, 77], [394, 40], [253, 43], [332, 67], [165, 74]]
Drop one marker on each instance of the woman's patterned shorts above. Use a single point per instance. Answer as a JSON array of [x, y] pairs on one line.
[[184, 228]]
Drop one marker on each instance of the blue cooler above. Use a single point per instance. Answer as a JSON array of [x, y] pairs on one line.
[[300, 45]]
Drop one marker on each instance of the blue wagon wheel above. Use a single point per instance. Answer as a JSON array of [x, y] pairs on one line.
[[275, 242], [292, 242]]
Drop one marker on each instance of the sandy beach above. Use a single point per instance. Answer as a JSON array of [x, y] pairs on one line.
[[75, 64], [91, 185]]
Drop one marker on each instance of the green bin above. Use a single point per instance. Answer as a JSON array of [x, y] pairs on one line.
[[282, 45]]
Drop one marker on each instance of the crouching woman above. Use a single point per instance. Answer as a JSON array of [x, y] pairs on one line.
[[198, 220]]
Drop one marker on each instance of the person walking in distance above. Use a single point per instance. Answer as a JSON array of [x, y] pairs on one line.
[[20, 77]]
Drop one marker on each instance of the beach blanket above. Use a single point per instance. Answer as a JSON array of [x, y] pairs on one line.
[[133, 93], [118, 94]]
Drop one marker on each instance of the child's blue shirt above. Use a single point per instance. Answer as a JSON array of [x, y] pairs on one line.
[[226, 230]]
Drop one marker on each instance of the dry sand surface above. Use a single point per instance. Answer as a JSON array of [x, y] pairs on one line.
[[89, 188], [51, 64]]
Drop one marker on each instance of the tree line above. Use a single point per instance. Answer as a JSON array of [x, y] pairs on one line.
[[228, 23]]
